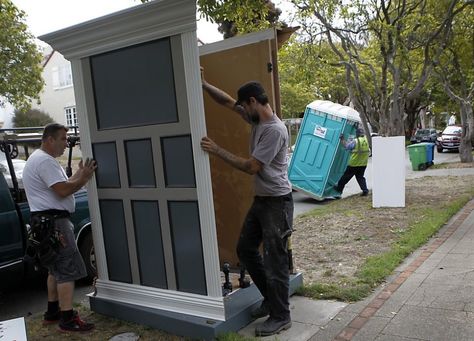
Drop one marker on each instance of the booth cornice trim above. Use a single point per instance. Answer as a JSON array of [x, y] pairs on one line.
[[238, 41], [153, 20], [174, 301]]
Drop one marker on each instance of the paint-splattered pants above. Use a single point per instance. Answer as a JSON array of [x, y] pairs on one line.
[[269, 221]]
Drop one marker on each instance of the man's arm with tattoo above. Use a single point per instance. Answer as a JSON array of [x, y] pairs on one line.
[[250, 166], [223, 98]]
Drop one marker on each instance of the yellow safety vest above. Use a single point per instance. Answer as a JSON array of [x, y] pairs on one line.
[[360, 153]]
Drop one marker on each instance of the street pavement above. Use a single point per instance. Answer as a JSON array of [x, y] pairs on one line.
[[430, 297], [304, 203]]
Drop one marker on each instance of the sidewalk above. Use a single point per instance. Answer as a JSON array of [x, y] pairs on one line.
[[430, 297]]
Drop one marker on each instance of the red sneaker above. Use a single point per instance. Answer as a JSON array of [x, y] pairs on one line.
[[75, 325]]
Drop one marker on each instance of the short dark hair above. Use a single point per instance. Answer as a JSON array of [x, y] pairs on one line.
[[252, 89], [52, 130]]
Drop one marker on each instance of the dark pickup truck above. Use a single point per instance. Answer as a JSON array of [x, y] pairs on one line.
[[15, 214]]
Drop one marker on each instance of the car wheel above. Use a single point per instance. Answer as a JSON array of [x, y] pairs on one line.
[[440, 150], [87, 252]]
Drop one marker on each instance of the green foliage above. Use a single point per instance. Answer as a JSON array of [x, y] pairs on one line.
[[31, 118], [239, 16], [20, 70], [388, 49], [308, 72], [457, 60]]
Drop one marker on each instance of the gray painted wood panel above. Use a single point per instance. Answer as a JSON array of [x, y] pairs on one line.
[[115, 240]]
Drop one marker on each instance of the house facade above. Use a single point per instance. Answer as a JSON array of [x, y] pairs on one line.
[[57, 98]]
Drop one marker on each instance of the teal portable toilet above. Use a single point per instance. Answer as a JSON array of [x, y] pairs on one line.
[[319, 159]]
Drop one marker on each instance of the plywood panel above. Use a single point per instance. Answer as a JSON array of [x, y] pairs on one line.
[[232, 189]]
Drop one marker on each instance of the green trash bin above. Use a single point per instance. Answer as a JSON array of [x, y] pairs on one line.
[[418, 156]]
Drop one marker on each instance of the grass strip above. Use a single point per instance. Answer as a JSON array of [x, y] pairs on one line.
[[376, 268], [450, 165]]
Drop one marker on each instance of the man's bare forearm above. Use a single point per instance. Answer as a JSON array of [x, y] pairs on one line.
[[235, 161], [218, 95], [69, 187]]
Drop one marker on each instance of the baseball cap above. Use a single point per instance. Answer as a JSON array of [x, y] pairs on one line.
[[250, 89]]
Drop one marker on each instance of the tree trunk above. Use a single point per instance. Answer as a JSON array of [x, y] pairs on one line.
[[412, 111], [470, 123], [465, 148], [396, 119], [422, 114]]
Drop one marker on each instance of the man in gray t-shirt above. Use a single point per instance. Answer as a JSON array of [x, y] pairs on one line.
[[269, 220], [50, 195]]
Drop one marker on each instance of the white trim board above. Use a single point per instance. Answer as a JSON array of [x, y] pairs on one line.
[[201, 163], [230, 43], [78, 69], [150, 21], [169, 300]]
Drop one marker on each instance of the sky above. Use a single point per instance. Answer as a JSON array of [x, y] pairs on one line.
[[46, 16]]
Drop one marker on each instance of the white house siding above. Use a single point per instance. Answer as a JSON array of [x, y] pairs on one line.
[[58, 91]]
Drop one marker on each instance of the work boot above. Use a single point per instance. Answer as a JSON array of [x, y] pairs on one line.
[[261, 311], [75, 324], [272, 326], [364, 193]]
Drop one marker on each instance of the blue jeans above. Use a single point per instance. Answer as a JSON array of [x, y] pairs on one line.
[[269, 221]]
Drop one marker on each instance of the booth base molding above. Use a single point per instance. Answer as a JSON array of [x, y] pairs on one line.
[[238, 306]]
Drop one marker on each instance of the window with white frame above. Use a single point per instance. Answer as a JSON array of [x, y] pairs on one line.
[[62, 76], [71, 117]]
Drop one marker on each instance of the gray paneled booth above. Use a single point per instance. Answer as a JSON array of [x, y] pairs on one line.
[[140, 109]]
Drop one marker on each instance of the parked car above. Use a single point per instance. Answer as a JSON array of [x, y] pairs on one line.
[[450, 139], [14, 227], [18, 166], [424, 135]]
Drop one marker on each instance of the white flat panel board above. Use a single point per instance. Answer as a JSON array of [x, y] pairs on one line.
[[388, 170], [13, 329]]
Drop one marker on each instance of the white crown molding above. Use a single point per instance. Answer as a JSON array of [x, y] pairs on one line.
[[169, 300], [150, 21]]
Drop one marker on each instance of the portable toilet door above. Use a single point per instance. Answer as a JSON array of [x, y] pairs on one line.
[[319, 159]]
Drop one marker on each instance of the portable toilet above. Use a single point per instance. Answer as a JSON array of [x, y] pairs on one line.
[[319, 159]]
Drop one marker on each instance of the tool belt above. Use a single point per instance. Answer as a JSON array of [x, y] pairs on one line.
[[43, 238]]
